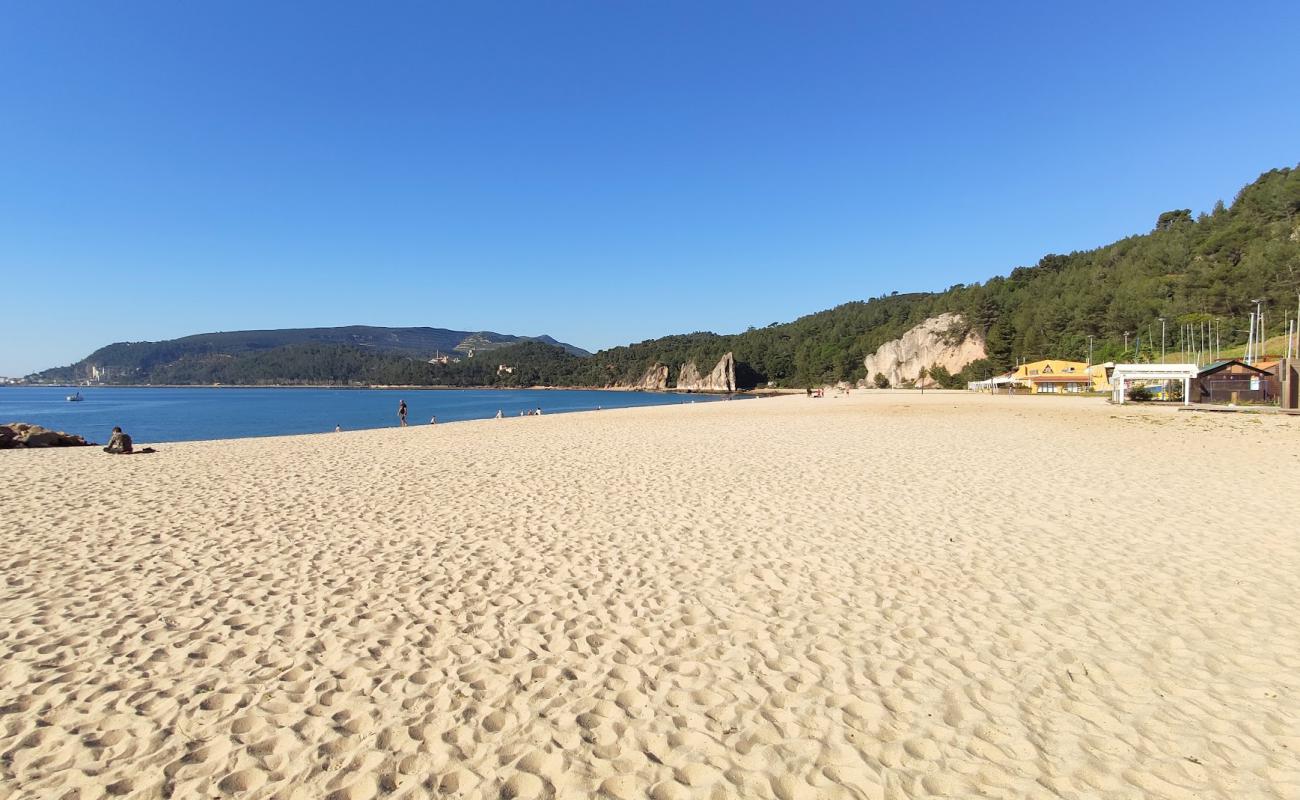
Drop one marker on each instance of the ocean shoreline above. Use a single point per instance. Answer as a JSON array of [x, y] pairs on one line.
[[391, 387], [211, 416]]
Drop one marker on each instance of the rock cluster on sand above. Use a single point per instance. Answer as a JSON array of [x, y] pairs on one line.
[[20, 434]]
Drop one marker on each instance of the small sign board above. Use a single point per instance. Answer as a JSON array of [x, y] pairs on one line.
[[1254, 384]]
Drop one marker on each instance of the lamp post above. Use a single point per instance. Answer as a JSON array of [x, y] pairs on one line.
[[1090, 350], [1162, 340], [1126, 333], [1255, 338]]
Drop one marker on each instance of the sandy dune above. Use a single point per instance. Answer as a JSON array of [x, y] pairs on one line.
[[881, 596]]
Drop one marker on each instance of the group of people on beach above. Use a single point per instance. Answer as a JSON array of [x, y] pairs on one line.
[[402, 413]]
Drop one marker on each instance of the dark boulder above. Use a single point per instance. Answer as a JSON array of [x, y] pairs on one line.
[[16, 435]]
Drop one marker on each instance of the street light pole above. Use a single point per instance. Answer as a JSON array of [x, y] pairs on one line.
[[1126, 333], [1162, 340], [1258, 329], [1090, 350]]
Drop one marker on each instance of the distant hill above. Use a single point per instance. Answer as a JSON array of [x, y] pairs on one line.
[[189, 358], [1200, 273]]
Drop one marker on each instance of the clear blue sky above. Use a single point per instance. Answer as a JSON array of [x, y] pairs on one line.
[[602, 172]]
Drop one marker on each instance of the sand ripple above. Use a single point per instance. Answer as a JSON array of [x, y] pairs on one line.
[[878, 597]]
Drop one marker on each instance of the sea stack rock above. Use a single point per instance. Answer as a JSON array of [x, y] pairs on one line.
[[20, 435], [688, 380], [721, 379], [655, 379]]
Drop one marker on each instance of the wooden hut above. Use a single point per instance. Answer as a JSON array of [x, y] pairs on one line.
[[1234, 382]]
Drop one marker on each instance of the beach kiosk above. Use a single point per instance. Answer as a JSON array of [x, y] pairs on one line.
[[1151, 372]]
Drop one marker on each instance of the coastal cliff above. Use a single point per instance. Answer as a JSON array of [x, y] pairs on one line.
[[721, 379], [942, 341]]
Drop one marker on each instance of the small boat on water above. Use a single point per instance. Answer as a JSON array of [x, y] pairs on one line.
[[75, 397]]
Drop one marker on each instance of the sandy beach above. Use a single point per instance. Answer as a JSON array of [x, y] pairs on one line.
[[882, 596]]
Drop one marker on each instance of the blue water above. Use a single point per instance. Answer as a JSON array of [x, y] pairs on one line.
[[172, 415]]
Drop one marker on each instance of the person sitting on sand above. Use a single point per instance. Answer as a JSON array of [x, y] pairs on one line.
[[119, 443]]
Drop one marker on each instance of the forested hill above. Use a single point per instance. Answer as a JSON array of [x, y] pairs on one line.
[[1207, 267], [192, 359]]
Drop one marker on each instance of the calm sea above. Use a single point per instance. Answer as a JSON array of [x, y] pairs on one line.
[[173, 415]]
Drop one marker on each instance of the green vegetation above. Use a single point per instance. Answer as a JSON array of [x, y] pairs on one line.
[[345, 354], [1204, 271]]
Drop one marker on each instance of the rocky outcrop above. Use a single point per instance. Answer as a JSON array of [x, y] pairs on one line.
[[721, 379], [655, 379], [935, 342], [15, 435]]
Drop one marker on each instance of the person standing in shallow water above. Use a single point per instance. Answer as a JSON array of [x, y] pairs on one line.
[[401, 412]]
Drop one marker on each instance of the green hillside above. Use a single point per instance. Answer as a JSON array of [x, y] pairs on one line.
[[193, 358], [1204, 270]]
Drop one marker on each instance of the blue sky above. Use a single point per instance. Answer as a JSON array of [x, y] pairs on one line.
[[602, 172]]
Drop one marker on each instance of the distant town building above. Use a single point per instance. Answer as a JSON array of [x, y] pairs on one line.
[[441, 358], [502, 369]]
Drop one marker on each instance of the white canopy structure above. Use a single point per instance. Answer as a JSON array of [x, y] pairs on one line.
[[1151, 372], [992, 384]]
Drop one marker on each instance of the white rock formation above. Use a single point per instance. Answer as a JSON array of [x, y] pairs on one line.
[[924, 346], [654, 379], [721, 379]]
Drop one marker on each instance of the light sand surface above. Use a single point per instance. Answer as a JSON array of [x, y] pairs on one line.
[[886, 595]]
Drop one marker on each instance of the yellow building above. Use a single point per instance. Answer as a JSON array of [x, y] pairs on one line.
[[1100, 374], [1055, 376]]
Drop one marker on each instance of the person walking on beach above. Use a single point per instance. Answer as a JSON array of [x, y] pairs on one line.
[[499, 414], [401, 412]]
